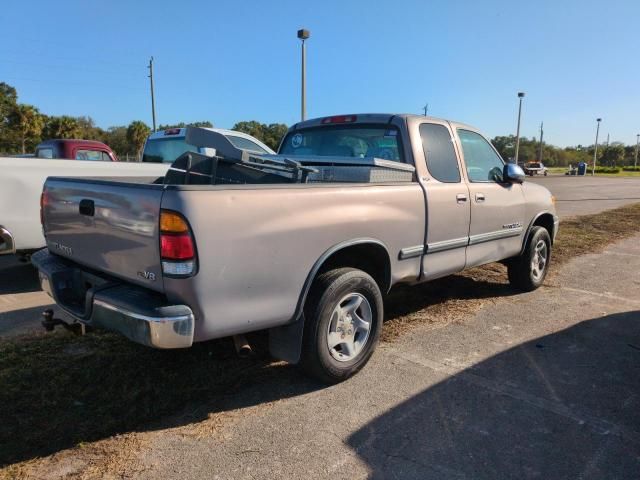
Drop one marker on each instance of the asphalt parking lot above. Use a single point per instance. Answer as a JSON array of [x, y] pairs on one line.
[[583, 195], [539, 385]]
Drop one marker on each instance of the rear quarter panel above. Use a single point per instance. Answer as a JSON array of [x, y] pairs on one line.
[[256, 246]]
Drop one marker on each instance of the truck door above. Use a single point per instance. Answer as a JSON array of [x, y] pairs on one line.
[[447, 204], [497, 208]]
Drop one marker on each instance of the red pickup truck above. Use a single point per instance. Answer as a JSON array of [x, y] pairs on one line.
[[72, 149]]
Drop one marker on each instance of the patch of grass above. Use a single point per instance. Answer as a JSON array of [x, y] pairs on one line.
[[59, 391]]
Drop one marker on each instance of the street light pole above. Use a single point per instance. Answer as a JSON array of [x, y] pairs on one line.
[[635, 161], [303, 35], [520, 96], [595, 150], [153, 100]]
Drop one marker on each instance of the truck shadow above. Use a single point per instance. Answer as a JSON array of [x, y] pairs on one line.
[[57, 390], [566, 405]]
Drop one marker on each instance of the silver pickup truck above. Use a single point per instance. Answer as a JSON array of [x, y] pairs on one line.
[[304, 244]]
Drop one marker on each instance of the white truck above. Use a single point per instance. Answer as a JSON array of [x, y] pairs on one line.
[[21, 181]]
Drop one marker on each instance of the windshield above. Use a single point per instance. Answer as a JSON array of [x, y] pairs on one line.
[[357, 141], [165, 150]]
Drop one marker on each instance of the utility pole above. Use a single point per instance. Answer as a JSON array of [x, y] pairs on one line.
[[540, 147], [153, 100], [520, 96], [595, 150], [303, 35], [635, 161], [426, 109]]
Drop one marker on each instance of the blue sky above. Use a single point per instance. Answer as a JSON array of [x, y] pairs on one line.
[[227, 61]]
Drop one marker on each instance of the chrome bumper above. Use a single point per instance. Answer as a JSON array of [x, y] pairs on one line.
[[7, 243], [140, 315]]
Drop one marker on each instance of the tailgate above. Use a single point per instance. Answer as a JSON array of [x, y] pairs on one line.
[[108, 226]]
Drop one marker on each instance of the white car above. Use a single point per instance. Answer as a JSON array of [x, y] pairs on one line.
[[167, 145]]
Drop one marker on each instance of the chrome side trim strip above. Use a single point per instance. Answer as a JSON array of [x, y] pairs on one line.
[[497, 235], [436, 247], [9, 244], [411, 252]]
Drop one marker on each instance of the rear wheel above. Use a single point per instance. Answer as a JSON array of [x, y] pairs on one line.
[[343, 319], [528, 271]]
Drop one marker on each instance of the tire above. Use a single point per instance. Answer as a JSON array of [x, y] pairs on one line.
[[336, 311], [524, 272]]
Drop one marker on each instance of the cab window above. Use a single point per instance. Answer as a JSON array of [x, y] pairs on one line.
[[482, 162], [91, 155], [44, 153], [439, 153]]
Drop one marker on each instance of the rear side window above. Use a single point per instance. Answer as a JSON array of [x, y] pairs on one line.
[[45, 153], [245, 144], [91, 155], [439, 153]]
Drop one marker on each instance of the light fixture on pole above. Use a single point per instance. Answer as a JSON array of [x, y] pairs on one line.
[[303, 35], [595, 150], [520, 96]]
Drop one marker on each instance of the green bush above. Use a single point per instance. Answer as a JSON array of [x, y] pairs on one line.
[[631, 169], [607, 169]]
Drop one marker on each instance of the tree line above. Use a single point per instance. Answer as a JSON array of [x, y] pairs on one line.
[[23, 126], [616, 154]]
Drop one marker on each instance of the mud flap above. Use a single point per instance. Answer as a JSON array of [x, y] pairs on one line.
[[285, 342]]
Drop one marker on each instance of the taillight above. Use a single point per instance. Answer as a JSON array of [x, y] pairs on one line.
[[177, 248], [44, 201]]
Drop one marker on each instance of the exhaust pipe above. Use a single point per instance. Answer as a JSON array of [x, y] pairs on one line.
[[243, 348]]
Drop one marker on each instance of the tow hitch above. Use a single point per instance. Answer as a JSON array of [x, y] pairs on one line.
[[49, 323]]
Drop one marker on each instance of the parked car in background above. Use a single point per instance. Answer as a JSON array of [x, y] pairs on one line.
[[72, 149], [535, 168], [304, 244], [167, 145], [21, 181]]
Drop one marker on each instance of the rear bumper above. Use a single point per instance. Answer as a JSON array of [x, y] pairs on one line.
[[556, 224], [7, 242], [140, 315]]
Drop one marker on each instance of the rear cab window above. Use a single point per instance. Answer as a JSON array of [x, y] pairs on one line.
[[355, 140], [44, 153], [165, 149]]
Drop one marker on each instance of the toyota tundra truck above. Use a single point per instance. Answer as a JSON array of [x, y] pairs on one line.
[[304, 244]]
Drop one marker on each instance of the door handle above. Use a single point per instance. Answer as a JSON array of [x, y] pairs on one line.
[[87, 207], [479, 197], [461, 197]]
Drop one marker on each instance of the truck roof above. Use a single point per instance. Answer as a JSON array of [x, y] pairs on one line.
[[376, 118], [58, 141]]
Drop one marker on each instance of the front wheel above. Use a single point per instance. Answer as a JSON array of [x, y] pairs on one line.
[[343, 319], [528, 271]]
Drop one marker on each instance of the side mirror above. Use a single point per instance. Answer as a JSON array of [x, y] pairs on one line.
[[513, 173]]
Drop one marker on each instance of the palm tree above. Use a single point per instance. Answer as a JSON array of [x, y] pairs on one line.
[[137, 133], [27, 123]]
